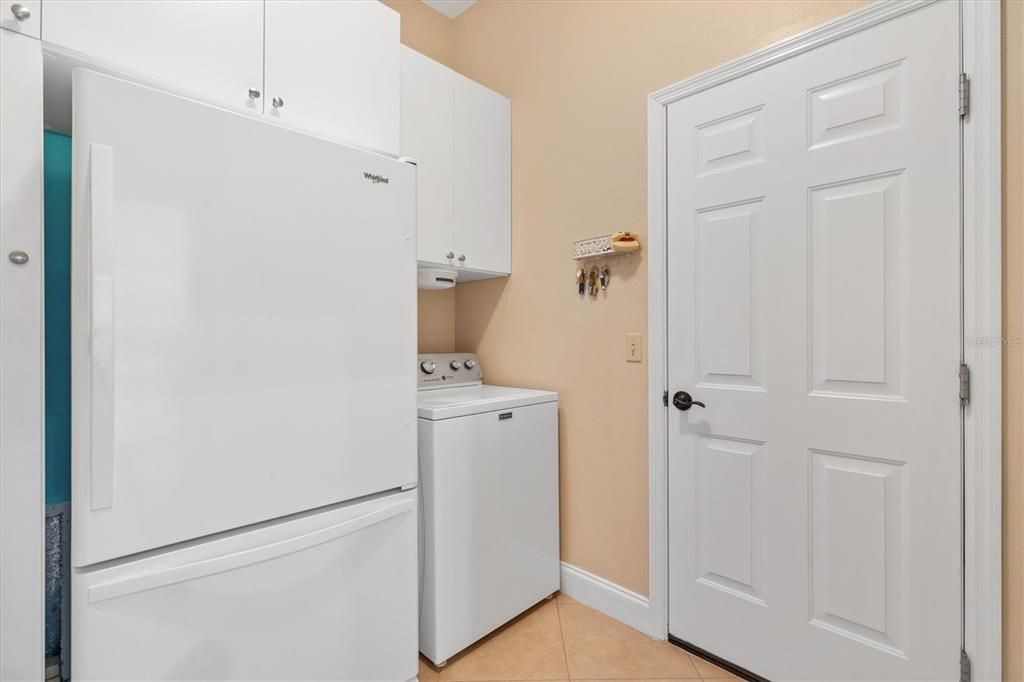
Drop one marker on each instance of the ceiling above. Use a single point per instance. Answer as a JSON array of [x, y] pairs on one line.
[[450, 8]]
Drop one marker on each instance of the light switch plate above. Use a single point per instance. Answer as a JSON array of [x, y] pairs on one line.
[[635, 347]]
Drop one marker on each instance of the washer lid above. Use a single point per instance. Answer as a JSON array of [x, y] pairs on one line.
[[446, 403]]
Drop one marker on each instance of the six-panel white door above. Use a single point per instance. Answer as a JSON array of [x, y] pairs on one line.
[[813, 236]]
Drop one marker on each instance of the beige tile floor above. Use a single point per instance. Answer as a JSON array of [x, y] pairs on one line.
[[562, 639]]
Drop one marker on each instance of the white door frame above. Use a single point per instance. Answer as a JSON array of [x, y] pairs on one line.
[[982, 253]]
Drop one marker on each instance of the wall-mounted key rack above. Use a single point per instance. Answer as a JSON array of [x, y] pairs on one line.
[[615, 244], [592, 256]]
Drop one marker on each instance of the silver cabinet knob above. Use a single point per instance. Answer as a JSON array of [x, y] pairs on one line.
[[277, 102], [462, 258], [450, 255], [18, 257], [254, 93], [20, 12]]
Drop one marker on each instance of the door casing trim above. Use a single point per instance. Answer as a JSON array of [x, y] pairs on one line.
[[982, 324]]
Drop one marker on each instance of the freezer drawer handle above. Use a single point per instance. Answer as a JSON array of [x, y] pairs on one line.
[[229, 562], [101, 334]]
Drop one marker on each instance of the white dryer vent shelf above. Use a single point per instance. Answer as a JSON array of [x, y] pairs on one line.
[[436, 278]]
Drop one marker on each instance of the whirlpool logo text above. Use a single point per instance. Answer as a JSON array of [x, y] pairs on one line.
[[374, 178]]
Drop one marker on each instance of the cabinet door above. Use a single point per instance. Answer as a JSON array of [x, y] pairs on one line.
[[427, 137], [212, 47], [21, 358], [483, 174], [332, 68], [20, 16]]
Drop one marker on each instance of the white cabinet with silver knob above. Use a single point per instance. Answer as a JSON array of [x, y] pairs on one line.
[[459, 133], [426, 126], [20, 17], [214, 48], [335, 64], [482, 177]]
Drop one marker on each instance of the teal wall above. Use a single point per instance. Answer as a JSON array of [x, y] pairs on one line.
[[57, 247]]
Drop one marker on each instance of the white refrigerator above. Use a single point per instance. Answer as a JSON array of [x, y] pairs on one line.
[[243, 408]]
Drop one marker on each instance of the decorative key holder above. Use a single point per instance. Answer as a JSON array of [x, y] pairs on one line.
[[594, 255]]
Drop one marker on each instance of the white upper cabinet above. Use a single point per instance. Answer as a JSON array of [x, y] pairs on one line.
[[211, 47], [328, 67], [20, 16], [482, 172], [332, 68], [459, 132], [427, 121]]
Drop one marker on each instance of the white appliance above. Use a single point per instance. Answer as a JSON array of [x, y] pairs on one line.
[[243, 478], [489, 495]]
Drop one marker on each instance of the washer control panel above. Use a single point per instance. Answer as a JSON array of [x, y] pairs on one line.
[[438, 370]]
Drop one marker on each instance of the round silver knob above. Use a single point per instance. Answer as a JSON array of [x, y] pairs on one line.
[[277, 102], [450, 255], [428, 366], [470, 364], [18, 257], [254, 93], [462, 258], [456, 365], [20, 12]]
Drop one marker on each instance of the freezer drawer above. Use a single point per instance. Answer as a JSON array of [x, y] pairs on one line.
[[330, 595], [489, 486]]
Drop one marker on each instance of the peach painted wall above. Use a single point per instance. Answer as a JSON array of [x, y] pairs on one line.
[[578, 73], [1013, 328]]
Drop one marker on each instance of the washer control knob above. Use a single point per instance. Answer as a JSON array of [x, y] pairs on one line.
[[470, 364], [428, 366], [456, 365]]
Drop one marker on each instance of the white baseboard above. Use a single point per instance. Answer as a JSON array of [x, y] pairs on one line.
[[610, 599]]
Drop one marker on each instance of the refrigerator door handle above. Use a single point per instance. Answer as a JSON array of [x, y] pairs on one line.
[[163, 576], [101, 339]]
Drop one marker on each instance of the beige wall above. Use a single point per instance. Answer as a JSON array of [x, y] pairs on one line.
[[436, 311], [426, 30], [1013, 353], [578, 73]]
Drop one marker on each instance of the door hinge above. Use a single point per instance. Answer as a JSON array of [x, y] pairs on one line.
[[965, 667], [965, 95], [664, 398], [965, 384]]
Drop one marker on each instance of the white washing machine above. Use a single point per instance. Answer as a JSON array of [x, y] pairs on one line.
[[489, 490]]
